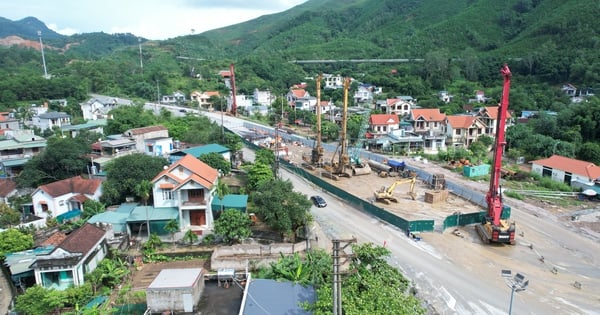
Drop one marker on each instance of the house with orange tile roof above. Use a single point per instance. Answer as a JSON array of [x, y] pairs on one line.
[[58, 198], [430, 124], [295, 94], [489, 116], [383, 124], [67, 264], [187, 185], [566, 170], [462, 130], [202, 99], [400, 106]]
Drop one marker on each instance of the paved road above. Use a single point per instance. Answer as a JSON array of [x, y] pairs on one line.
[[462, 276]]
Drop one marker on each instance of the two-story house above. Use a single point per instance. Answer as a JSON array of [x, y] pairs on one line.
[[333, 81], [16, 148], [52, 119], [68, 263], [152, 140], [429, 123], [305, 103], [294, 94], [187, 185], [383, 124], [265, 98], [400, 106], [462, 130], [63, 196], [8, 122], [98, 106], [489, 116], [203, 98], [176, 98], [365, 93]]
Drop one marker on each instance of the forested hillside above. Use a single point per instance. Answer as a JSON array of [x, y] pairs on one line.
[[461, 43]]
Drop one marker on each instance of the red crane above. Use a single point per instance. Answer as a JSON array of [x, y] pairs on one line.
[[495, 229], [234, 100]]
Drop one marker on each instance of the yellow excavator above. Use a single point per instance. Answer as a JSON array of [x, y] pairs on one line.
[[386, 195]]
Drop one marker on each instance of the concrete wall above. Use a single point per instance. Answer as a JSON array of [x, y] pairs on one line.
[[239, 257]]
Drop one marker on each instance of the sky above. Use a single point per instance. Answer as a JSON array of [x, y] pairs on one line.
[[151, 19]]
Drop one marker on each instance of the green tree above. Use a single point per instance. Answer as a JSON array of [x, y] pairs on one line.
[[8, 216], [258, 173], [281, 208], [329, 130], [222, 189], [14, 240], [190, 237], [590, 152], [91, 208], [216, 161], [144, 190], [233, 226], [62, 158], [124, 173], [172, 227], [264, 156], [128, 117], [38, 301]]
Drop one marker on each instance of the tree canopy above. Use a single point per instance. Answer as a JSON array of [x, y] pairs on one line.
[[233, 226], [14, 240], [123, 174], [216, 161]]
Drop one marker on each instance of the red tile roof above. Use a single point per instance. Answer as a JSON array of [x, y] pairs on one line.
[[461, 121], [143, 130], [7, 186], [384, 119], [428, 114], [492, 112], [75, 184], [299, 93], [83, 239], [54, 239], [212, 93], [225, 73], [201, 172], [391, 101], [583, 168]]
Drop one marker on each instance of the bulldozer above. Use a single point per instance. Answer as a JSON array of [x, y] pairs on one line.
[[386, 195]]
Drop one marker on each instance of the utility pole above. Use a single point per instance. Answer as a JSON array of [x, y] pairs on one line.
[[141, 62], [337, 254], [43, 58]]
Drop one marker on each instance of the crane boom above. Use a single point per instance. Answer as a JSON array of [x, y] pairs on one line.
[[494, 196], [317, 152], [496, 228], [234, 99]]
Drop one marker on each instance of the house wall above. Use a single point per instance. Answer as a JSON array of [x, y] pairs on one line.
[[10, 124], [140, 139], [162, 198], [160, 147], [558, 175], [56, 205], [172, 299]]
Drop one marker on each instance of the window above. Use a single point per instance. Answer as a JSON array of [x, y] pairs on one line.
[[167, 194], [458, 132]]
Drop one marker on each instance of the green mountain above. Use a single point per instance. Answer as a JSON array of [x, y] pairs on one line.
[[411, 28], [27, 28]]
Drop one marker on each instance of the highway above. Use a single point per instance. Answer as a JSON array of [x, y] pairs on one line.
[[455, 275]]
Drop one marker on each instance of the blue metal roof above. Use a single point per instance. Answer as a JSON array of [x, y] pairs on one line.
[[273, 297]]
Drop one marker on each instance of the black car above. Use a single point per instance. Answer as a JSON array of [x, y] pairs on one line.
[[318, 201]]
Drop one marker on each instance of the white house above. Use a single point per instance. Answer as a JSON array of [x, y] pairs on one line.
[[52, 119], [98, 106], [264, 98], [565, 170], [382, 124], [176, 98], [333, 81], [241, 101], [62, 196], [145, 136], [187, 185], [67, 264]]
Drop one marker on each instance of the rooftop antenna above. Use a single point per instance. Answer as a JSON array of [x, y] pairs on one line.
[[43, 58]]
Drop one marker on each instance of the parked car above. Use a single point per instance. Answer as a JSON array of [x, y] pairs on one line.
[[319, 201]]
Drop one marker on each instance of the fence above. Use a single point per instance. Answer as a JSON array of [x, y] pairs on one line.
[[414, 226]]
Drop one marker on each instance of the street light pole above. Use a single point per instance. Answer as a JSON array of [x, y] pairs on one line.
[[516, 284]]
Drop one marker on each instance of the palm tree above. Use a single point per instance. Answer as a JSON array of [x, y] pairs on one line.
[[221, 190], [143, 190], [172, 227]]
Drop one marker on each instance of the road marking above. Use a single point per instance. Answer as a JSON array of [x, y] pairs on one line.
[[450, 300]]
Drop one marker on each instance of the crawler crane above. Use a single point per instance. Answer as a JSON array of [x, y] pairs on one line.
[[494, 229]]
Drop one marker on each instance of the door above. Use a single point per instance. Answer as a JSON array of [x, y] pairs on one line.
[[197, 217]]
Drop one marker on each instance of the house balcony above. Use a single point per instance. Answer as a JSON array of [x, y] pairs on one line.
[[193, 204]]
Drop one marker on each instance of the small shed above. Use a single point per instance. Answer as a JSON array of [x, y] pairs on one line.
[[238, 202], [476, 170], [175, 290]]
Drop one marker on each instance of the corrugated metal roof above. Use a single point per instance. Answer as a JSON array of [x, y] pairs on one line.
[[273, 297], [231, 201], [176, 278], [138, 214]]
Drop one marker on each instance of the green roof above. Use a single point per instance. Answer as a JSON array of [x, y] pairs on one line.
[[15, 162], [239, 202], [68, 215], [209, 148], [138, 214], [90, 124]]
